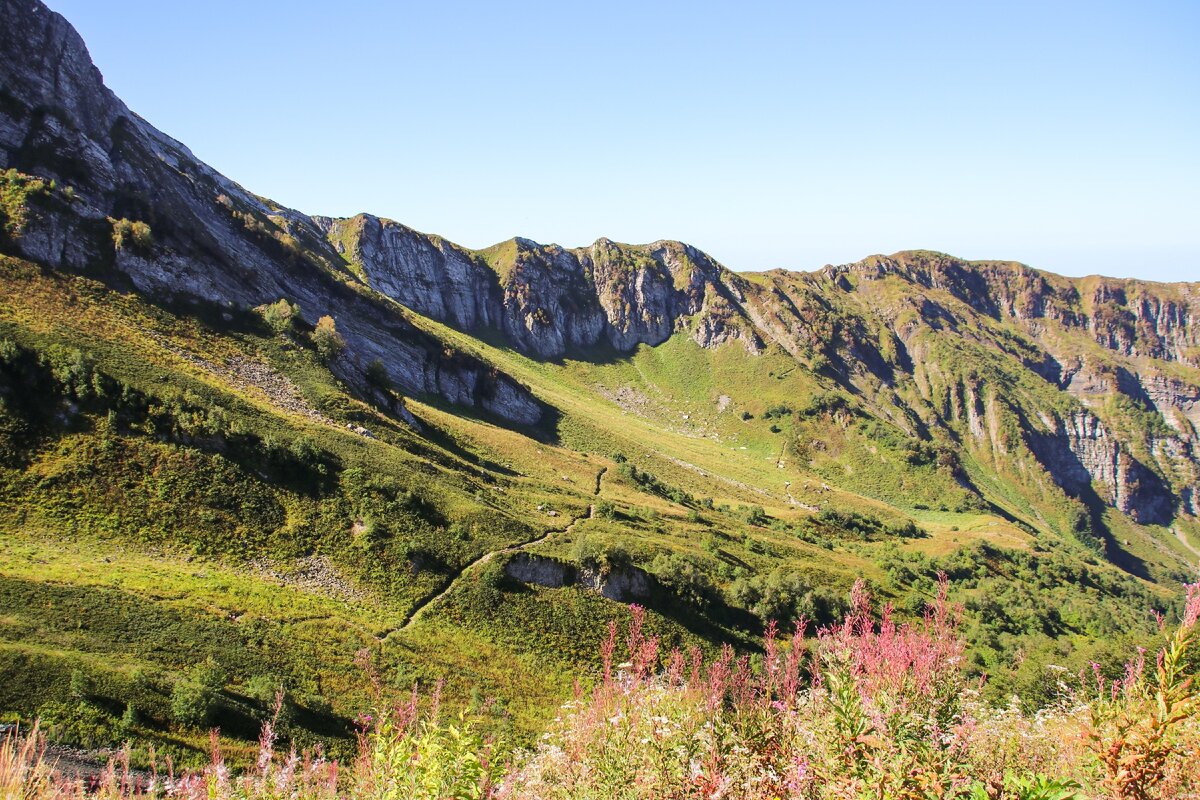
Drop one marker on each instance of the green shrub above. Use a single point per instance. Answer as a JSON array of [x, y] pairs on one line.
[[327, 340], [650, 483], [280, 316], [786, 596], [81, 685], [778, 411], [191, 704], [16, 192], [592, 552], [377, 376], [755, 515], [132, 234], [686, 578], [194, 699]]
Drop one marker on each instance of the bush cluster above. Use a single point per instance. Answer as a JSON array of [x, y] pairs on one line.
[[132, 234], [650, 483], [868, 708]]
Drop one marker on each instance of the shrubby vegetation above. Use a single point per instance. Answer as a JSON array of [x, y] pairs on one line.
[[16, 192], [687, 578], [37, 390], [132, 234], [281, 315], [598, 554], [865, 526], [167, 473], [786, 596], [869, 707], [327, 340], [194, 699], [648, 482], [377, 376]]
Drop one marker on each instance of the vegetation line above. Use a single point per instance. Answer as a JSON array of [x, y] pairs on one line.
[[433, 598]]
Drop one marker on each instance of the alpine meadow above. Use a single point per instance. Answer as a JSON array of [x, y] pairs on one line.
[[313, 507]]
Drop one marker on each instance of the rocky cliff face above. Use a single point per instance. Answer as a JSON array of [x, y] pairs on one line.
[[626, 584], [1129, 317], [212, 240], [547, 308], [1124, 353], [425, 273], [1081, 453], [546, 299]]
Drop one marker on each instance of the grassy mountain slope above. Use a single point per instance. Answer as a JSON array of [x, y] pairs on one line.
[[204, 497], [143, 538]]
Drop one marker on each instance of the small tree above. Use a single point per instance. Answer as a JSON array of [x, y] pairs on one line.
[[755, 515], [281, 315], [130, 718], [328, 341], [81, 685], [191, 703], [194, 699], [377, 376]]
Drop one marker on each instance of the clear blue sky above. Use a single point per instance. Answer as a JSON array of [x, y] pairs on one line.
[[1062, 134]]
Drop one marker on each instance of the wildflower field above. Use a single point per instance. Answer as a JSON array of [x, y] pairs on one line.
[[864, 708]]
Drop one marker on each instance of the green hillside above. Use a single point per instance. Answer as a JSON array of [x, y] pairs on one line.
[[244, 449], [181, 489]]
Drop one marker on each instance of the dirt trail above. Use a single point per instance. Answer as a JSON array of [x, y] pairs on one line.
[[483, 559], [1183, 540], [88, 767]]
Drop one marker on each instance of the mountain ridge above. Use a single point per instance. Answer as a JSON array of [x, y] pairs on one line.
[[215, 242], [212, 239]]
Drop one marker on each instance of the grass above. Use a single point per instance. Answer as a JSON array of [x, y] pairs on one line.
[[194, 525], [17, 192]]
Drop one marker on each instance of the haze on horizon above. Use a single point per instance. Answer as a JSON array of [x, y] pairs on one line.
[[768, 134]]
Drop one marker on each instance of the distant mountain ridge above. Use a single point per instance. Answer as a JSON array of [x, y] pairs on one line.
[[549, 301], [219, 243]]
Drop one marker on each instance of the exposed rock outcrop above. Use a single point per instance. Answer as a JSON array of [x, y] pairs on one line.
[[546, 299], [425, 273], [624, 585], [539, 570], [1130, 317], [1080, 452]]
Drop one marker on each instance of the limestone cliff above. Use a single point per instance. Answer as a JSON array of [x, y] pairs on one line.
[[547, 300]]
